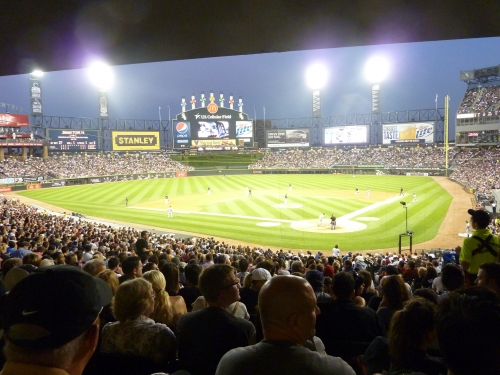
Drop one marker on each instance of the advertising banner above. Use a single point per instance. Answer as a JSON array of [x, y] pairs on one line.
[[182, 134], [59, 183], [346, 134], [5, 189], [414, 132], [135, 140], [73, 140], [181, 174], [13, 121], [9, 180], [33, 186], [287, 138]]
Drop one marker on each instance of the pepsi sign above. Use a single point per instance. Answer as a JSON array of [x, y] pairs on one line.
[[182, 130]]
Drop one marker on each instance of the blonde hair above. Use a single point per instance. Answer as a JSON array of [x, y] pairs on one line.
[[111, 278], [132, 300], [163, 312]]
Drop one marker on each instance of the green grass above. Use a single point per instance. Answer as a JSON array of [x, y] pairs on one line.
[[218, 214]]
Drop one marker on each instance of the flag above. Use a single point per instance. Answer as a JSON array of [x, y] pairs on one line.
[[436, 100]]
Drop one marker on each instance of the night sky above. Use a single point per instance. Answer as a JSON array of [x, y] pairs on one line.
[[275, 81]]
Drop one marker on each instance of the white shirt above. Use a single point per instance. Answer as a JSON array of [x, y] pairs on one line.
[[336, 251]]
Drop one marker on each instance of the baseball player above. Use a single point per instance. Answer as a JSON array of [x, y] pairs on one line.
[[320, 223]]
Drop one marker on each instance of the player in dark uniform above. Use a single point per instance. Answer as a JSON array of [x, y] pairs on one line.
[[333, 222], [401, 193]]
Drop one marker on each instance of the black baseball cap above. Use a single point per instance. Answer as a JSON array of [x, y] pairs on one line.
[[481, 217], [52, 306]]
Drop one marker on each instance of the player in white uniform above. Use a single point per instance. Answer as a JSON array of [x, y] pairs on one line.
[[208, 191], [166, 200], [320, 223], [290, 187], [170, 212], [367, 193], [414, 197], [286, 198]]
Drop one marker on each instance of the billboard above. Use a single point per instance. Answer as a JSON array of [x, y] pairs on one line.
[[413, 132], [13, 121], [287, 138], [135, 140], [345, 135], [214, 144], [73, 140]]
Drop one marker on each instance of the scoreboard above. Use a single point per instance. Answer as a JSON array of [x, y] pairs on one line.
[[73, 140]]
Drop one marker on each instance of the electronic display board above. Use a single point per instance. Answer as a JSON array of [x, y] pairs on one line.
[[287, 138], [413, 132], [219, 128], [73, 140], [346, 135]]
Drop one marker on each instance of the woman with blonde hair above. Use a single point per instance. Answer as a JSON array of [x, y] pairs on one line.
[[167, 309]]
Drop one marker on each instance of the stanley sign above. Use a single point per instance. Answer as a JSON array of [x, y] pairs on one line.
[[135, 141]]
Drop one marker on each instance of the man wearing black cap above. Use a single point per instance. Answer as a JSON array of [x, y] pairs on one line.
[[481, 247], [51, 321]]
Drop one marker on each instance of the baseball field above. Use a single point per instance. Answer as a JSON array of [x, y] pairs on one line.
[[364, 221]]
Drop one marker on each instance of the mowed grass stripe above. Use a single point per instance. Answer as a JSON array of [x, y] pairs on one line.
[[424, 216]]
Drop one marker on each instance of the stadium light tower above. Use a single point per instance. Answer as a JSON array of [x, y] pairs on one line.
[[102, 76], [376, 70], [316, 77], [35, 81]]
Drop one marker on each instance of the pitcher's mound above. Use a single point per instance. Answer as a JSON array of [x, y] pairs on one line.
[[343, 226]]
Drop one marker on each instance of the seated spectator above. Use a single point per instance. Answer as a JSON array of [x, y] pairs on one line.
[[452, 277], [132, 268], [468, 331], [346, 329], [111, 279], [417, 283], [32, 258], [94, 266], [204, 336], [191, 291], [171, 273], [167, 310], [368, 290], [249, 296], [61, 333], [430, 275], [134, 333], [411, 332], [489, 276], [284, 302], [411, 272], [394, 295], [10, 264]]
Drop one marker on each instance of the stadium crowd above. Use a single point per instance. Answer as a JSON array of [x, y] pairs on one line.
[[480, 99], [89, 165], [160, 303], [478, 169], [394, 157]]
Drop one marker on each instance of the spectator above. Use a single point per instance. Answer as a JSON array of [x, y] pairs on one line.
[[167, 310], [470, 316], [134, 333], [94, 266], [191, 291], [204, 336], [489, 276], [68, 313], [453, 279], [132, 268], [354, 327], [284, 302], [249, 296], [394, 295]]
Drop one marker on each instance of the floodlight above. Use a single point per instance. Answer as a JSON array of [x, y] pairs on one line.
[[376, 69], [101, 75], [316, 76], [37, 73], [403, 203]]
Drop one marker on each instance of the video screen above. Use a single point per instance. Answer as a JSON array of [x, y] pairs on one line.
[[213, 129]]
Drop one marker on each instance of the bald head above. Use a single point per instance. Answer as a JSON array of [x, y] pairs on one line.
[[288, 309]]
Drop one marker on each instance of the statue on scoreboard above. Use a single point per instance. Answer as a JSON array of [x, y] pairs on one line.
[[203, 99], [211, 97], [231, 101], [221, 99], [193, 102], [183, 104], [240, 104]]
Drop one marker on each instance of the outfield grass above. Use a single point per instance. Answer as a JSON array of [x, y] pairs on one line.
[[229, 213]]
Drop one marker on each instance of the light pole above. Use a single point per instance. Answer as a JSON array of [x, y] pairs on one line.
[[405, 207], [171, 125], [102, 76], [316, 76], [159, 114], [376, 70]]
